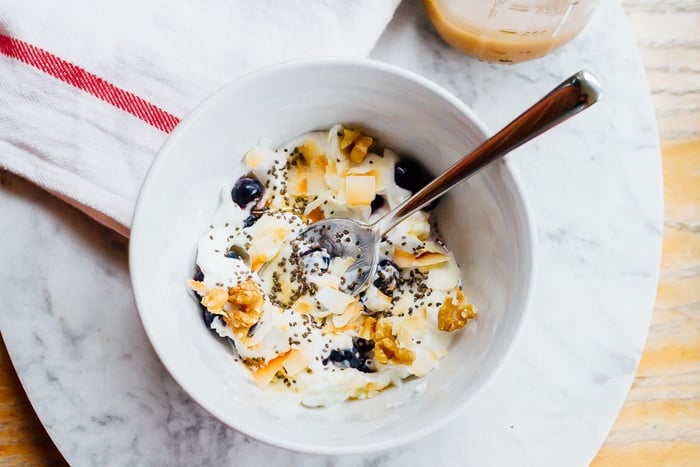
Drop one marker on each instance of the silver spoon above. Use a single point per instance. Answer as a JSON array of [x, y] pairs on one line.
[[342, 237]]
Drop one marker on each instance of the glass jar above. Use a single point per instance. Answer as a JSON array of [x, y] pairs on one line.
[[509, 31]]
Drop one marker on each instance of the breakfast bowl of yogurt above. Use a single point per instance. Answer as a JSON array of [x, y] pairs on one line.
[[265, 330]]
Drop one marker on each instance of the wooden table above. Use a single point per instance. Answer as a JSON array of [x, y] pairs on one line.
[[659, 424]]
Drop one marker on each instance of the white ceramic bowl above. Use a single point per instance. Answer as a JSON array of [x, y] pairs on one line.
[[485, 221]]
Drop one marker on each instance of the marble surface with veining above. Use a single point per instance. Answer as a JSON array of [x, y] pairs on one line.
[[71, 327]]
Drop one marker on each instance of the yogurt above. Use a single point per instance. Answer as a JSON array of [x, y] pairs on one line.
[[282, 303]]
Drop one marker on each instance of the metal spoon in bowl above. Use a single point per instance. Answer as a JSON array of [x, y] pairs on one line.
[[342, 237]]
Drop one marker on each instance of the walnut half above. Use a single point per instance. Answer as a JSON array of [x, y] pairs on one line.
[[455, 314], [244, 307], [386, 348], [356, 144], [240, 306]]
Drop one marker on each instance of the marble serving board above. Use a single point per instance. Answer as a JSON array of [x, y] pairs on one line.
[[70, 324]]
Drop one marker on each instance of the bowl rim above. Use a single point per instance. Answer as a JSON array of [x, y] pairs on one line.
[[402, 73]]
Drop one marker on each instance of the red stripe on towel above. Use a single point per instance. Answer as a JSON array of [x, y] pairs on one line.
[[88, 82]]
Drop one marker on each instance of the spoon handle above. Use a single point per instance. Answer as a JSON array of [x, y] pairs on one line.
[[575, 94]]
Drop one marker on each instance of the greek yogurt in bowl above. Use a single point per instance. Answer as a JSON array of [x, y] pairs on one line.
[[282, 304]]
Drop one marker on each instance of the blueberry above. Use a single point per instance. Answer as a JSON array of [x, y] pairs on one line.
[[336, 356], [250, 220], [208, 317], [235, 252], [377, 202], [246, 190], [387, 277], [411, 175], [366, 366], [317, 259], [357, 357], [363, 345], [198, 275], [251, 330]]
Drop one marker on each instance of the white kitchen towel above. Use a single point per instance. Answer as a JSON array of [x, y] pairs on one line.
[[91, 88]]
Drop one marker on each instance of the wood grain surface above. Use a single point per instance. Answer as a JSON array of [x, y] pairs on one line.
[[23, 440], [659, 424]]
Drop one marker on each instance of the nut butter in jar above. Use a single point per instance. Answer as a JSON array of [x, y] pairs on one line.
[[509, 31]]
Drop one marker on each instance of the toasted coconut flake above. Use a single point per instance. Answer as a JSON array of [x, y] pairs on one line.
[[444, 276], [328, 281], [334, 300], [267, 239], [412, 326], [367, 328], [311, 150], [316, 215], [296, 362], [352, 326], [429, 259], [403, 259], [317, 179], [431, 246], [254, 158], [257, 261], [340, 265], [304, 305], [335, 182], [263, 374], [360, 148], [349, 137], [317, 203], [297, 182], [382, 168], [198, 286], [360, 189], [376, 300], [215, 300], [351, 312]]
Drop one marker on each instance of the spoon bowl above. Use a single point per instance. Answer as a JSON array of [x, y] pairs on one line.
[[346, 238]]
